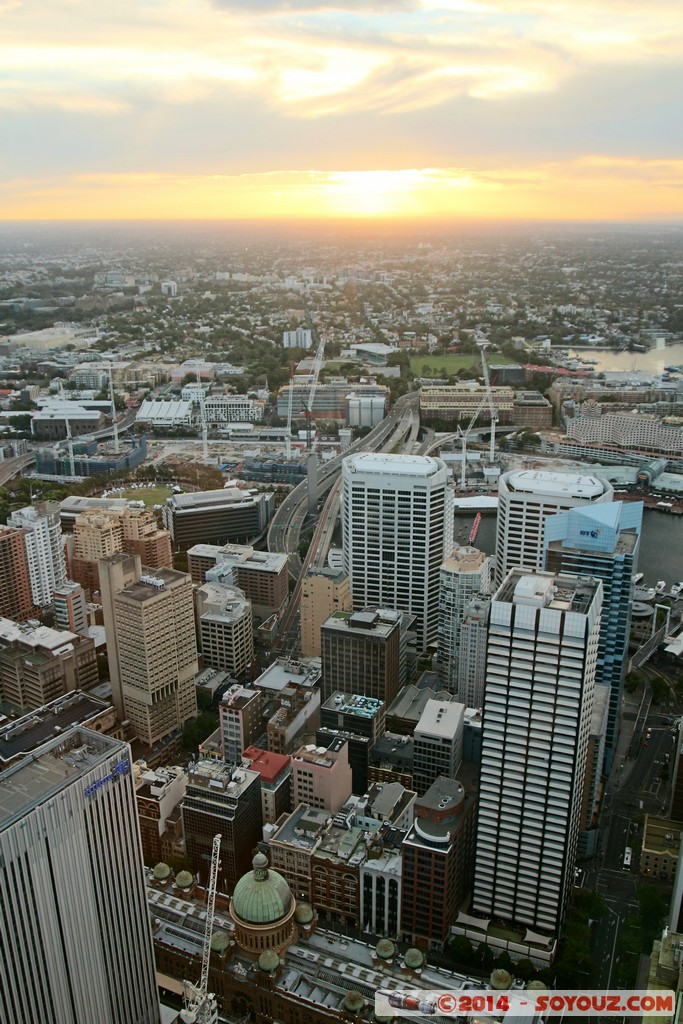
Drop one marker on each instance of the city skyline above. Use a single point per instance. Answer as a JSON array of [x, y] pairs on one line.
[[311, 109]]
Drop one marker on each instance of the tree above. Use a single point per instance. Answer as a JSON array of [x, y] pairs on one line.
[[660, 690], [460, 948]]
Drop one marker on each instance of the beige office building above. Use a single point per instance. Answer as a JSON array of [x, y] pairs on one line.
[[321, 776], [323, 592], [151, 644]]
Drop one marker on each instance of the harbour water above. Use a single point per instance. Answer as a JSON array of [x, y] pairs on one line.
[[653, 361], [661, 545]]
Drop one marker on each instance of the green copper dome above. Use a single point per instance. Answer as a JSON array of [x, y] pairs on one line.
[[161, 872], [220, 941], [385, 949], [304, 913], [269, 961], [184, 880], [414, 959], [262, 896]]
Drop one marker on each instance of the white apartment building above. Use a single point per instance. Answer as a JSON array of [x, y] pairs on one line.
[[77, 946], [627, 430], [463, 575], [397, 527], [300, 338], [44, 548], [437, 743], [540, 682], [232, 409], [525, 500]]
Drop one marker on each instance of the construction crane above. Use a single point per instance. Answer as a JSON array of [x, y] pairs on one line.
[[493, 412], [290, 401], [200, 1004], [464, 434], [313, 382], [202, 416]]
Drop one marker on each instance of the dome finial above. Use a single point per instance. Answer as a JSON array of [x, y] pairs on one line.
[[260, 866]]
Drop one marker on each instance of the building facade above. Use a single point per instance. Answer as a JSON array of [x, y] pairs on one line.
[[542, 655], [44, 548], [397, 527], [437, 743], [15, 581], [361, 653], [77, 944], [525, 500], [151, 645], [602, 541], [323, 592], [225, 628], [465, 574]]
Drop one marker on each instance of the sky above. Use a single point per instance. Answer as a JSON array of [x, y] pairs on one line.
[[300, 109]]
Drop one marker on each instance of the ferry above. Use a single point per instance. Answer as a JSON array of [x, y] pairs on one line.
[[661, 587]]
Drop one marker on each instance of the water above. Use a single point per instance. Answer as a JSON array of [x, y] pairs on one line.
[[661, 544], [652, 362]]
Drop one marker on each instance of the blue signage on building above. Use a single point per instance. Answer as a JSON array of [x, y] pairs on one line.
[[120, 768]]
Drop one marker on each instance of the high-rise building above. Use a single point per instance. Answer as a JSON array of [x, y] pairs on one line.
[[362, 653], [225, 628], [437, 861], [525, 500], [602, 541], [463, 575], [397, 528], [225, 799], [71, 607], [472, 654], [96, 535], [39, 664], [44, 548], [99, 533], [241, 722], [216, 517], [275, 772], [323, 592], [15, 581], [437, 743], [361, 721], [77, 946], [151, 645], [538, 703]]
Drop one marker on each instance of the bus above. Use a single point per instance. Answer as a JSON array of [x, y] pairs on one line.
[[628, 855]]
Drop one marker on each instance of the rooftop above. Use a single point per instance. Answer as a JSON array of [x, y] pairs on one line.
[[269, 765], [560, 592], [32, 634], [201, 499], [52, 767], [662, 835], [464, 559], [283, 672], [379, 622], [151, 584], [36, 728], [353, 704], [303, 827], [551, 483], [393, 465], [440, 718]]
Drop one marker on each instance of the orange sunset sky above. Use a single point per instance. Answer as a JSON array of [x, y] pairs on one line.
[[275, 109]]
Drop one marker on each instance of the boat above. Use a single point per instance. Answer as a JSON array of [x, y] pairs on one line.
[[643, 594], [676, 589], [661, 587], [638, 577]]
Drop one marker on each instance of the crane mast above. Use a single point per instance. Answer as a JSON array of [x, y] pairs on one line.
[[313, 380], [200, 1004], [489, 398], [202, 415]]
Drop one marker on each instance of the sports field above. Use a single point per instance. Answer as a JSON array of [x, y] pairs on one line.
[[452, 362], [150, 495]]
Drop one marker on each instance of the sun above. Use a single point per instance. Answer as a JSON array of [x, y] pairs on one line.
[[372, 193]]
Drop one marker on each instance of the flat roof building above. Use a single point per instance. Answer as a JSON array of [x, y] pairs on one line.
[[216, 517]]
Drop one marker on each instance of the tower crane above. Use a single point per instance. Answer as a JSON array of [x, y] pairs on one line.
[[202, 415], [483, 345], [200, 1004], [290, 401], [313, 380], [464, 434]]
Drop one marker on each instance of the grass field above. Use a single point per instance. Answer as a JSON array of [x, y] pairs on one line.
[[150, 495], [452, 362]]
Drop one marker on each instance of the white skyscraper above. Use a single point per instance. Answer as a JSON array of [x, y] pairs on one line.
[[77, 942], [540, 681], [44, 548], [463, 575], [397, 527], [525, 500]]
